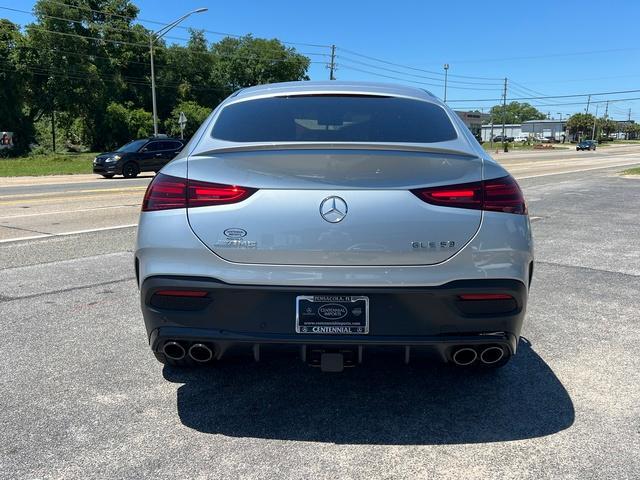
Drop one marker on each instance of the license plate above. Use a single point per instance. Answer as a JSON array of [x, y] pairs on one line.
[[332, 315]]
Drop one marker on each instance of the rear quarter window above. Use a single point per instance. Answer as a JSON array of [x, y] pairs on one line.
[[334, 118]]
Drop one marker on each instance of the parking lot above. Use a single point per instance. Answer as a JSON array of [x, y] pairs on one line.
[[83, 397]]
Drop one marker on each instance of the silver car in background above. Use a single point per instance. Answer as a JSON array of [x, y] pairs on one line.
[[332, 220]]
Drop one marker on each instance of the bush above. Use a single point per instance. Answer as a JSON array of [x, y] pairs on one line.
[[124, 124]]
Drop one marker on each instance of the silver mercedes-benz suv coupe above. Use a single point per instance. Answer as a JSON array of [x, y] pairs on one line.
[[333, 220]]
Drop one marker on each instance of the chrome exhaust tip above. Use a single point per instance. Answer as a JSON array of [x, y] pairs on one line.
[[174, 351], [199, 352], [491, 355], [464, 356]]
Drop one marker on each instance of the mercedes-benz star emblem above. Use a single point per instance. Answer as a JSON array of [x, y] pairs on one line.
[[333, 209]]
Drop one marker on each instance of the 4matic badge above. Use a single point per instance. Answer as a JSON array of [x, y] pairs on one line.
[[234, 238]]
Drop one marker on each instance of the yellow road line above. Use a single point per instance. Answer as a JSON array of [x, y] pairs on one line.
[[53, 194]]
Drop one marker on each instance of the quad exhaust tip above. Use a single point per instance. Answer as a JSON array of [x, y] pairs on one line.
[[199, 352], [464, 356], [174, 351], [491, 355]]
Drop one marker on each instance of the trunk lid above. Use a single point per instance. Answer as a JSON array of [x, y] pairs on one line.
[[347, 206]]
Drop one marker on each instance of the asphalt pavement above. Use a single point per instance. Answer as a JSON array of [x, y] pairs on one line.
[[84, 398]]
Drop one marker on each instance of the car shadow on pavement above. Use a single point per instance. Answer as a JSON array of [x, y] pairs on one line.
[[386, 403]]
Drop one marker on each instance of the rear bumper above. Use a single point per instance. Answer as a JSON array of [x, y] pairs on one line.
[[250, 315]]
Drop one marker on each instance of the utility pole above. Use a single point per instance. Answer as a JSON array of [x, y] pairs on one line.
[[606, 110], [491, 134], [332, 66], [446, 76], [626, 133], [588, 102], [595, 120], [53, 130], [504, 115]]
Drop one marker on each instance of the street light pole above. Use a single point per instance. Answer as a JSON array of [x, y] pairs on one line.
[[152, 39], [446, 75], [153, 89], [595, 120]]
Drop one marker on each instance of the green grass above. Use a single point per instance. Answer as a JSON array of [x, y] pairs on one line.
[[632, 171], [49, 164]]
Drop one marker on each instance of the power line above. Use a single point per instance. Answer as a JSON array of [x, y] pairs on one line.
[[527, 89], [156, 22], [112, 79], [353, 60], [548, 96], [369, 72], [92, 56], [135, 44], [413, 68], [531, 57]]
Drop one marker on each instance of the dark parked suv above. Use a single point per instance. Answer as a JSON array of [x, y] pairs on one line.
[[146, 155]]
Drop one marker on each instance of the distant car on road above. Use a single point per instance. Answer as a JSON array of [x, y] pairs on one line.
[[144, 155], [500, 138], [586, 145], [521, 138]]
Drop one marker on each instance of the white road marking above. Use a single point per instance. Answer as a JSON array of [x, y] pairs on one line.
[[58, 212], [577, 171], [64, 234]]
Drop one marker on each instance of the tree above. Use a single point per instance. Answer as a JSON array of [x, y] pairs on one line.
[[196, 114], [124, 124], [87, 63], [580, 122], [607, 126], [13, 79], [631, 130], [515, 112], [247, 61]]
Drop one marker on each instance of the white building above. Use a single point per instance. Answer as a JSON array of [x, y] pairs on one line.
[[489, 131], [536, 128], [545, 128]]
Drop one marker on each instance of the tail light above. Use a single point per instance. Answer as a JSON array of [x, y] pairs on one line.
[[496, 195], [166, 192]]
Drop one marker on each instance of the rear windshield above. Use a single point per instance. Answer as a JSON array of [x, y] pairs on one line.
[[334, 118]]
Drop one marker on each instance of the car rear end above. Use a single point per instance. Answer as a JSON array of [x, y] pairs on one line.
[[332, 220]]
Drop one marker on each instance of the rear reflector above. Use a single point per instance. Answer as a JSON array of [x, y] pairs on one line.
[[166, 192], [485, 296], [486, 303], [496, 195], [181, 293]]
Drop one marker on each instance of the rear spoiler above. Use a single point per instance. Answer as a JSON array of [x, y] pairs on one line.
[[418, 148]]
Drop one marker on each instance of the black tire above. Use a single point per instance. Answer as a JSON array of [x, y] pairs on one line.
[[108, 175], [130, 170]]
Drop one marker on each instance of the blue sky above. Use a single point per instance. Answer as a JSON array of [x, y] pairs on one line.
[[550, 47]]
